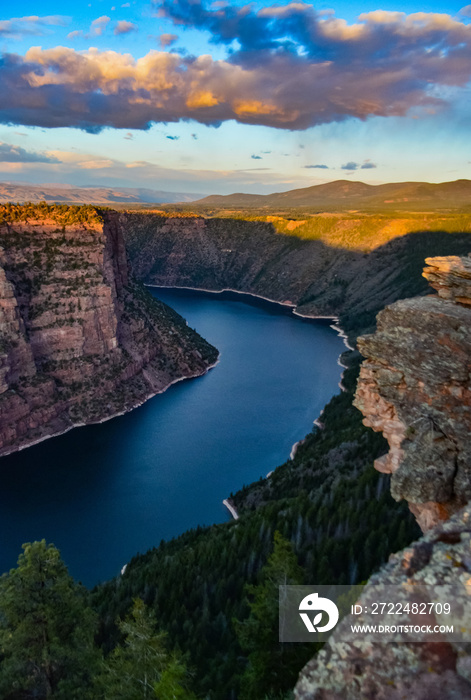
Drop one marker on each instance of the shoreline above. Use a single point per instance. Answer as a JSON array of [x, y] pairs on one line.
[[37, 441], [231, 508], [285, 304]]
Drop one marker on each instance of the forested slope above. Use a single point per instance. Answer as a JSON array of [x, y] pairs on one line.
[[346, 265], [329, 502]]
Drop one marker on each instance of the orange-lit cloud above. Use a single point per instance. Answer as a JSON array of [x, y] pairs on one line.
[[294, 69]]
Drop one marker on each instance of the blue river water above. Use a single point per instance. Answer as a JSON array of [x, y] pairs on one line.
[[104, 492]]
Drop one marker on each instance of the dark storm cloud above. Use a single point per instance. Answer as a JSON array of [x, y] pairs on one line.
[[289, 67]]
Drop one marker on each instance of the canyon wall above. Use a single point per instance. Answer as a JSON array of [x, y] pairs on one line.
[[415, 387], [80, 341], [250, 256]]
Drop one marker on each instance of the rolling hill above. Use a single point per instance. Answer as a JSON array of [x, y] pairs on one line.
[[343, 193]]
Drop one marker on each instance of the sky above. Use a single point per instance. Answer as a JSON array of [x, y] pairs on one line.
[[220, 97]]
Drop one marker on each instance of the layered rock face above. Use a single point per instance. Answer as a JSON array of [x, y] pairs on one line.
[[415, 387], [80, 341]]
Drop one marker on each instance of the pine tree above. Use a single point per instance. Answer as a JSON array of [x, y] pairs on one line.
[[46, 629], [272, 666], [141, 668]]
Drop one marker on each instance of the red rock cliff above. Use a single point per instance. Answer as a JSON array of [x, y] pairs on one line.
[[79, 340]]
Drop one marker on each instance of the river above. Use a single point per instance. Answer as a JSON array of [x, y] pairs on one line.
[[104, 492]]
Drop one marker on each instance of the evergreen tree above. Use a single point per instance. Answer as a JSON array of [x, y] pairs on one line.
[[141, 668], [46, 629], [272, 666]]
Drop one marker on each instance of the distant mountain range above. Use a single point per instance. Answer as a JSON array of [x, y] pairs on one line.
[[340, 194], [343, 193], [24, 192]]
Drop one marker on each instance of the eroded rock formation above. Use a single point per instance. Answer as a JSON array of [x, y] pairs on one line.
[[357, 668], [415, 387], [79, 340]]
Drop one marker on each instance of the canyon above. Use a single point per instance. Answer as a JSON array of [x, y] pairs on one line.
[[81, 341], [319, 277]]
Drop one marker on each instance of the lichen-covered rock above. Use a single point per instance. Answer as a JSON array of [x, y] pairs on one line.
[[451, 277], [361, 669], [80, 341], [415, 387]]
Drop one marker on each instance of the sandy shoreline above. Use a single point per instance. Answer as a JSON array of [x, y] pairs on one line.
[[230, 507]]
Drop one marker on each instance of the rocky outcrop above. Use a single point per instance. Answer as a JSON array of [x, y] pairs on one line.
[[415, 387], [80, 341], [451, 277], [362, 669]]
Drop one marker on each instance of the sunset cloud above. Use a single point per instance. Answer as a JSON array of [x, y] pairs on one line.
[[294, 69]]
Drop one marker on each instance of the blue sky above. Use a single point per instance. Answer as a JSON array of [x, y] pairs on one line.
[[191, 96]]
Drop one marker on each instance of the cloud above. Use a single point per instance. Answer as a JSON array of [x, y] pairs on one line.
[[128, 136], [351, 165], [465, 11], [167, 40], [97, 28], [96, 164], [195, 137], [256, 157], [321, 166], [16, 154], [17, 27], [173, 138], [302, 70], [99, 25], [124, 27], [126, 4], [367, 165]]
